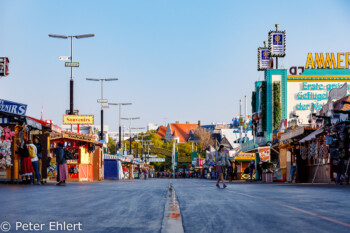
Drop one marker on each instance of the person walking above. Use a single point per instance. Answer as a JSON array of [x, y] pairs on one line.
[[221, 163], [251, 169], [33, 156], [146, 172], [62, 170], [39, 150]]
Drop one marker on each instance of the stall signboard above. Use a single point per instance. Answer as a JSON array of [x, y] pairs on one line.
[[72, 136], [263, 58], [161, 160], [264, 153], [12, 107], [277, 43], [56, 128], [34, 124], [78, 119], [245, 157]]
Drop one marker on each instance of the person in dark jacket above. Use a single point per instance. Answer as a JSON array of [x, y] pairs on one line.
[[62, 170], [251, 169]]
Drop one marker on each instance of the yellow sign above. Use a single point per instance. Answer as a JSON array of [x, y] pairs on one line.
[[245, 157], [328, 61], [78, 119]]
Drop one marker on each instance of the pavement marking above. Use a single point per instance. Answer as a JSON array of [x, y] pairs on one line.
[[172, 221], [287, 206]]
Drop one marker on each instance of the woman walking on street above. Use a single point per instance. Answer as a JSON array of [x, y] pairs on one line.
[[221, 163]]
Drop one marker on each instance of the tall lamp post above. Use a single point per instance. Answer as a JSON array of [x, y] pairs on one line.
[[130, 119], [71, 105], [120, 126], [102, 80], [137, 137]]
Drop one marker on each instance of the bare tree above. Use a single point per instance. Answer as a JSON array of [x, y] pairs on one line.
[[204, 137]]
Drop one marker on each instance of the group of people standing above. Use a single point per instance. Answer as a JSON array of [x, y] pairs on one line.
[[31, 161]]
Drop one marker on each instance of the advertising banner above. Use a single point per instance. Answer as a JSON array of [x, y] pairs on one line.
[[245, 157], [264, 153], [263, 58], [78, 119], [277, 43], [13, 108]]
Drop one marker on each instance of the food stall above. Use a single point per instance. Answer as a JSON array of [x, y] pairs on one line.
[[242, 161], [84, 156]]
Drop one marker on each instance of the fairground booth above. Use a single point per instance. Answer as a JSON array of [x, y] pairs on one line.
[[86, 163], [15, 130]]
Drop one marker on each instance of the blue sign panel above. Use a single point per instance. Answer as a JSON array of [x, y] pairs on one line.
[[13, 108]]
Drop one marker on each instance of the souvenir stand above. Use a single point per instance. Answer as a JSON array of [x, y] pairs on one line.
[[9, 142], [128, 167], [15, 127], [82, 148], [242, 161]]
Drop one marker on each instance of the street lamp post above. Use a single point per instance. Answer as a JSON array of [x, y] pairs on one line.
[[102, 80], [71, 98], [120, 126], [137, 137], [130, 119]]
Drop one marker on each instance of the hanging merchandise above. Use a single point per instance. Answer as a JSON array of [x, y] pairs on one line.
[[5, 155], [312, 150], [322, 151], [304, 151]]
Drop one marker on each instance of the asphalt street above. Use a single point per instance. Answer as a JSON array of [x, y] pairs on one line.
[[139, 206]]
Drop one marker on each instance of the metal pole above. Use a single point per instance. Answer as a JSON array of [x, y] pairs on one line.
[[120, 127], [130, 134], [240, 127], [71, 79], [101, 136]]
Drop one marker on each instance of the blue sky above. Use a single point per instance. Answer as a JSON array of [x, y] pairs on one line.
[[175, 60]]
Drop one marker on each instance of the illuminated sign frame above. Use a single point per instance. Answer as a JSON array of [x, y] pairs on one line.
[[78, 119], [277, 50], [263, 65]]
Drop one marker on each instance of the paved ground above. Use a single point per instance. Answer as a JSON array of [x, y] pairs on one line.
[[138, 206]]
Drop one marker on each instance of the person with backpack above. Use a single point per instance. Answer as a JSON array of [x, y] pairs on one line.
[[33, 156], [221, 163], [62, 170], [251, 169]]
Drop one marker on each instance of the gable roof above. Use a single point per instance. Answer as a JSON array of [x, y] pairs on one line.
[[161, 131]]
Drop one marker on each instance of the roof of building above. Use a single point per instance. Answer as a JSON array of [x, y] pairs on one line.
[[339, 105], [161, 131]]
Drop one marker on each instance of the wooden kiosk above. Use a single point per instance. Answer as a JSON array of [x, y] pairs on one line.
[[87, 162]]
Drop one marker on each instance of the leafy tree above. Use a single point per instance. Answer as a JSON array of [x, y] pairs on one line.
[[111, 145]]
